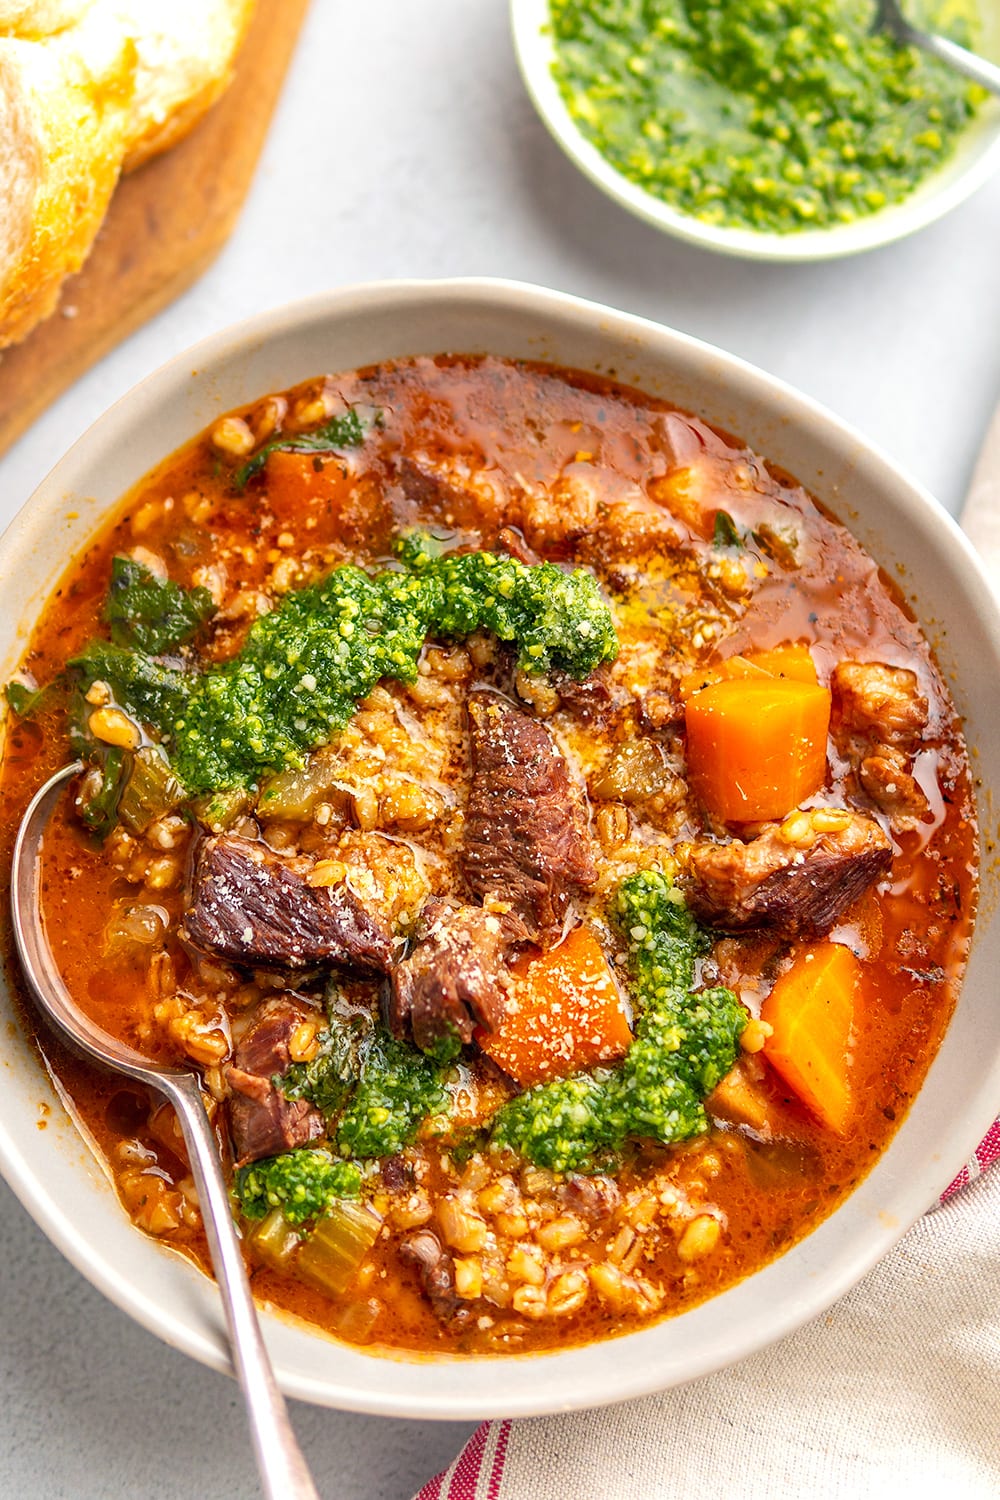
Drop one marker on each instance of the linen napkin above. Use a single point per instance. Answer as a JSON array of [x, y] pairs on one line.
[[894, 1393]]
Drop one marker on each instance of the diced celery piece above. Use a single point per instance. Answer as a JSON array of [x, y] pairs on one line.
[[219, 810], [331, 1257], [151, 791], [274, 1241], [294, 793]]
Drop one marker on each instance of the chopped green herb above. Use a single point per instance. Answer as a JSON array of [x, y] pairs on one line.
[[133, 787], [148, 691], [101, 789], [345, 431], [724, 533], [327, 1080], [375, 1091], [25, 700], [399, 1088], [151, 614]]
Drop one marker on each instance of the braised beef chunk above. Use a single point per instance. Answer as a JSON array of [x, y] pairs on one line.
[[886, 778], [460, 488], [249, 906], [424, 1250], [592, 701], [525, 840], [879, 704], [397, 1174], [593, 1198], [262, 1121], [456, 975], [796, 880], [511, 541], [422, 483], [880, 718]]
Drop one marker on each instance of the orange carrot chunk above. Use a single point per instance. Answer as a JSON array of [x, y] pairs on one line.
[[756, 746], [734, 667], [811, 1013], [792, 660], [298, 484], [565, 1014]]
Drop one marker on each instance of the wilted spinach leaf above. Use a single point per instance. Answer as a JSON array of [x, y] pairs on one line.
[[152, 614], [26, 700]]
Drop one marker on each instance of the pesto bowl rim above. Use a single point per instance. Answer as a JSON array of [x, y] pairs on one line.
[[976, 157]]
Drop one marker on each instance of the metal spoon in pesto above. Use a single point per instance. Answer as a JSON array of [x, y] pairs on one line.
[[889, 18], [282, 1467]]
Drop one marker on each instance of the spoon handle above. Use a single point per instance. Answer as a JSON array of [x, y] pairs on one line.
[[283, 1470], [977, 68]]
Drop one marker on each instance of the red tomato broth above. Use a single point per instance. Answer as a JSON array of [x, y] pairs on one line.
[[514, 430]]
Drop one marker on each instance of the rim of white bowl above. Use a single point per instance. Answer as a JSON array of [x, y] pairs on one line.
[[453, 1388], [975, 159]]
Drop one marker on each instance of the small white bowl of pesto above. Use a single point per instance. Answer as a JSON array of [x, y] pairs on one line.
[[773, 131]]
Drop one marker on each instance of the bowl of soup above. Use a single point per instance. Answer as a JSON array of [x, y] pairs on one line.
[[530, 772]]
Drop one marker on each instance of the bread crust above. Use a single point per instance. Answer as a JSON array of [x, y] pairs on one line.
[[35, 18], [186, 53], [64, 119], [117, 83], [89, 89]]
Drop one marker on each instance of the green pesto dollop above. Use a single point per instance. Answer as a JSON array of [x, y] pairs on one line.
[[304, 1184], [774, 115], [305, 666], [684, 1044], [374, 1090], [556, 619], [397, 1090], [299, 677]]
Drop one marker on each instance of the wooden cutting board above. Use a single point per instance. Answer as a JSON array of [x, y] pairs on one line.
[[165, 225]]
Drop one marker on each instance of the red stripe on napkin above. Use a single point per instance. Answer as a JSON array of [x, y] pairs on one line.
[[477, 1472], [499, 1457], [987, 1152], [463, 1483]]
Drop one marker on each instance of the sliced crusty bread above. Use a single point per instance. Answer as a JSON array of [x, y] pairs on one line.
[[64, 119], [121, 83], [40, 17], [186, 50]]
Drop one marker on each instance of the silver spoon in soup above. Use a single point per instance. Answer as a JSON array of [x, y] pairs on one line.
[[283, 1470]]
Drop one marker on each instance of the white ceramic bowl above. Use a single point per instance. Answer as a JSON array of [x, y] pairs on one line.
[[975, 158], [52, 1170]]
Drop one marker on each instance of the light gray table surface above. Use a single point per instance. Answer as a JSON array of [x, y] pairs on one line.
[[405, 146]]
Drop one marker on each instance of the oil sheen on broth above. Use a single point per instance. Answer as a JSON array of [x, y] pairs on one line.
[[542, 826]]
